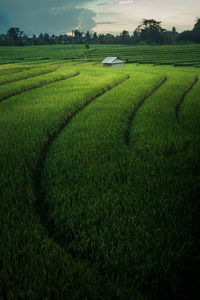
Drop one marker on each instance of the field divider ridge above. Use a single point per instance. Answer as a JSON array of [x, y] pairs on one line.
[[177, 111], [15, 70], [38, 194], [177, 108], [28, 76], [38, 85], [132, 114]]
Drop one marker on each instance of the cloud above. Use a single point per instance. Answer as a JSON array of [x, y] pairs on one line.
[[126, 2], [61, 16], [5, 20], [50, 16], [86, 21], [102, 4], [109, 3]]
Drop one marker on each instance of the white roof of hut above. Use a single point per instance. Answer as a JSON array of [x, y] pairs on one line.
[[112, 60]]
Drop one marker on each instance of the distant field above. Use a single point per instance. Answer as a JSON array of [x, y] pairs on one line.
[[99, 176], [183, 55]]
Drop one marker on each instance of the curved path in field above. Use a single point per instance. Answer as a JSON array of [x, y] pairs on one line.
[[37, 85], [22, 77], [136, 108], [177, 112], [13, 70], [38, 193], [177, 109]]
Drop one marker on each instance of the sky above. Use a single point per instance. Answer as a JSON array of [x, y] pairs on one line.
[[101, 16]]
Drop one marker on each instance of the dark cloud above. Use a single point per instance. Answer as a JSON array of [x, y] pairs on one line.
[[86, 21], [5, 20], [50, 16], [61, 21]]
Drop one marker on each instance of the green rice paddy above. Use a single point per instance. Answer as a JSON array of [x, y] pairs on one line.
[[177, 55], [99, 179]]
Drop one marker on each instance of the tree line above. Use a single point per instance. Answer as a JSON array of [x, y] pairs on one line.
[[149, 32]]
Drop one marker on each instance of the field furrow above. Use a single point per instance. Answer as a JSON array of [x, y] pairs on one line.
[[13, 89], [190, 110], [155, 125], [12, 70], [25, 74], [136, 108], [177, 108], [37, 176]]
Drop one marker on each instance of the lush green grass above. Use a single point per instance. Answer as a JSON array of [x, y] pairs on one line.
[[183, 55], [86, 214]]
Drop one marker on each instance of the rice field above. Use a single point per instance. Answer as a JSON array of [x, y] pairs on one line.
[[99, 181], [177, 55]]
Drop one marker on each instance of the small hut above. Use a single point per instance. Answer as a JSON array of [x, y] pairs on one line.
[[115, 62]]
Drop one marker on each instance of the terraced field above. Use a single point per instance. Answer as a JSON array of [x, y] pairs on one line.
[[177, 55], [99, 182]]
